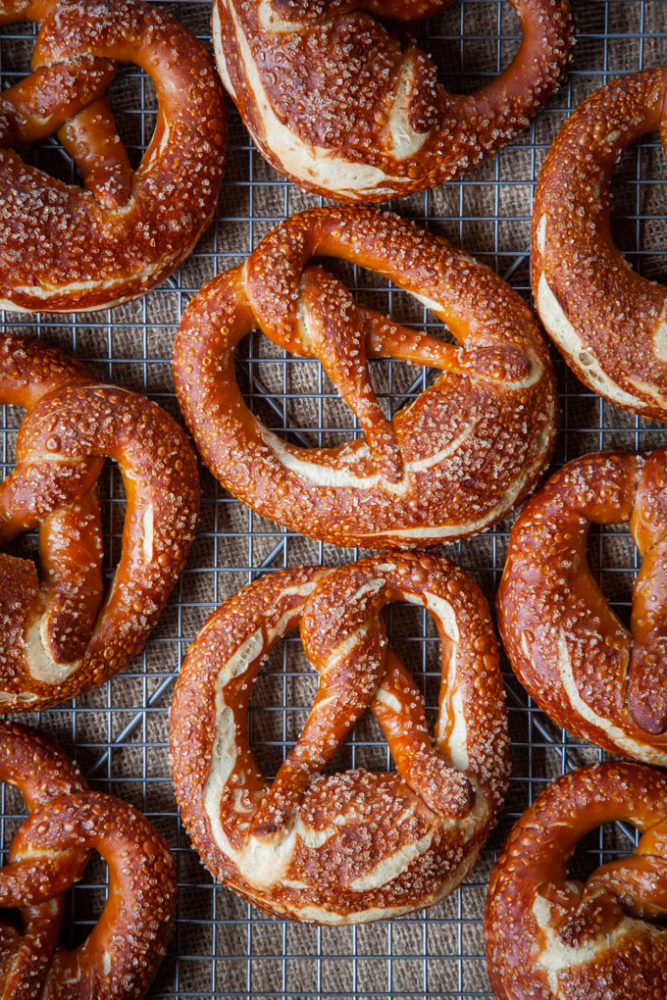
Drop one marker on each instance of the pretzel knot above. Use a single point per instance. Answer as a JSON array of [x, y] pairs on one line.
[[58, 638], [550, 937], [345, 107], [609, 323], [453, 462], [120, 956], [63, 248], [565, 644], [355, 846]]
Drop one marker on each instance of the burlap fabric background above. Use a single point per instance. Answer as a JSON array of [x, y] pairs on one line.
[[222, 947]]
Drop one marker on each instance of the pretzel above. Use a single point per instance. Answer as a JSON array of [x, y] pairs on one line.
[[356, 846], [64, 249], [56, 640], [120, 956], [609, 324], [335, 100], [453, 462], [565, 644], [551, 938]]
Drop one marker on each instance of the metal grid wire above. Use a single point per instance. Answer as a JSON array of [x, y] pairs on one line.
[[222, 947]]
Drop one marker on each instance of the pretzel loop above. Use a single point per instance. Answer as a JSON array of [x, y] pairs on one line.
[[551, 937], [296, 846], [447, 465], [586, 670], [67, 249], [58, 640]]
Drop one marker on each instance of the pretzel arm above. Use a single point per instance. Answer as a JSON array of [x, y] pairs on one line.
[[399, 708], [71, 550], [35, 488], [92, 140], [36, 107], [347, 689], [331, 322]]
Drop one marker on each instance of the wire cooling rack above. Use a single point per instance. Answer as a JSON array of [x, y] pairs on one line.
[[222, 947]]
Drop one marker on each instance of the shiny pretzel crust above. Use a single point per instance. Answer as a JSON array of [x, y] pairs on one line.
[[549, 938], [59, 636], [609, 323], [448, 465], [64, 248], [337, 103], [582, 666], [48, 855], [356, 846]]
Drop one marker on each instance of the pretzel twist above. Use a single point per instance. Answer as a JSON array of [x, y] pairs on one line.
[[551, 938], [608, 322], [62, 248], [341, 105], [56, 640], [120, 956], [355, 846], [566, 645], [453, 462]]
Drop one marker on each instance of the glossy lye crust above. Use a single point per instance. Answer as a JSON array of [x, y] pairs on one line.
[[454, 461], [550, 938], [608, 322], [339, 104], [355, 846], [64, 248], [48, 855], [567, 647], [60, 636]]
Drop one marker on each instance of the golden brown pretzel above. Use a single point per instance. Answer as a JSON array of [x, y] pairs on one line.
[[42, 772], [453, 462], [550, 938], [120, 956], [608, 322], [356, 846], [56, 639], [565, 644], [62, 248], [335, 101]]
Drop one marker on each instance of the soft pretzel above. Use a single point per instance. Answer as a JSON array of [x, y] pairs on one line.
[[338, 103], [355, 846], [550, 938], [609, 324], [56, 640], [565, 644], [62, 248], [120, 956], [453, 462]]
